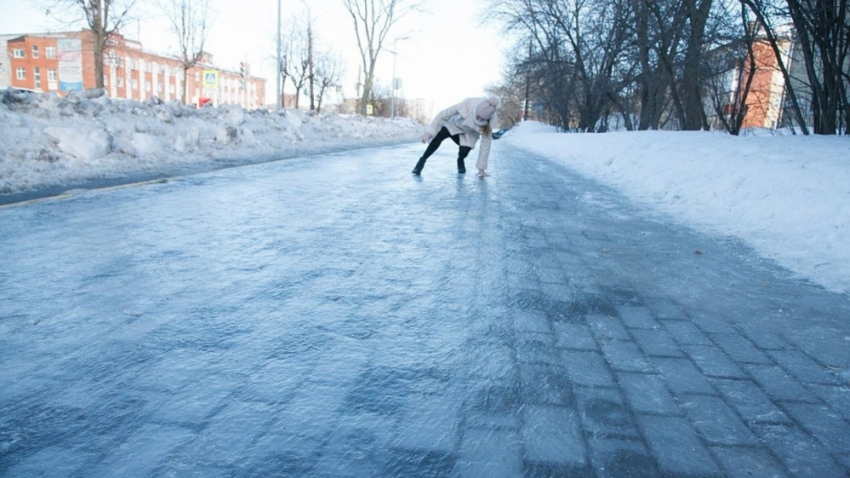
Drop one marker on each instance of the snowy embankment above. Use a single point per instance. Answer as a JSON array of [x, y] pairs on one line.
[[49, 141], [786, 196]]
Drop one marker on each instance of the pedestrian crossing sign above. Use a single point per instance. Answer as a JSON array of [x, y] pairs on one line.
[[210, 78]]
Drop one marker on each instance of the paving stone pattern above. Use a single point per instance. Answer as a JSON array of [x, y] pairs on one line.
[[333, 316]]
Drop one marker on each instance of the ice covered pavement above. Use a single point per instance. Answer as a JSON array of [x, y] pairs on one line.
[[335, 317]]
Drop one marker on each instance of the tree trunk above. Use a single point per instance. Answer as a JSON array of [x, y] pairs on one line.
[[367, 87], [695, 118], [786, 76], [99, 30], [185, 92], [819, 27]]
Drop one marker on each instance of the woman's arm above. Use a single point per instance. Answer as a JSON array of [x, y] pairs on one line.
[[484, 152]]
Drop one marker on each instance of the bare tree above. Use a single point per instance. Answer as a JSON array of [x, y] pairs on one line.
[[659, 26], [189, 20], [766, 12], [579, 45], [102, 17], [295, 54], [658, 63], [823, 32], [693, 113], [514, 91], [328, 76], [734, 66], [373, 20]]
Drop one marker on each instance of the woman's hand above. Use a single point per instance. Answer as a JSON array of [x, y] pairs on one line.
[[426, 137]]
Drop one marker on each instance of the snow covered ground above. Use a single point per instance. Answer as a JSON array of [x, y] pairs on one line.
[[46, 140], [787, 196]]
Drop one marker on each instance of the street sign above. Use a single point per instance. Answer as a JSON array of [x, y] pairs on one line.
[[210, 78]]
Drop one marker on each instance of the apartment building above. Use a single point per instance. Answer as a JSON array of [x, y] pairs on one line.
[[62, 62], [767, 92], [766, 101]]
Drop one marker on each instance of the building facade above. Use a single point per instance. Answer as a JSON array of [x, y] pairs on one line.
[[766, 104], [767, 92], [62, 62]]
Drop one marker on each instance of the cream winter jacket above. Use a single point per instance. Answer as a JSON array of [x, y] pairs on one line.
[[460, 119]]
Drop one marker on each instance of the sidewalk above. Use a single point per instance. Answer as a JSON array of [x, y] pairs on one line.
[[335, 317]]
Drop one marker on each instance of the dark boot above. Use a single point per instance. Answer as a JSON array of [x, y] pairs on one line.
[[461, 168], [419, 165]]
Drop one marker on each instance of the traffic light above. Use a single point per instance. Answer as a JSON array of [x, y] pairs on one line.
[[242, 69]]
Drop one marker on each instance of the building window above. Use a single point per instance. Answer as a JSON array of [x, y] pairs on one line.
[[19, 53], [37, 76], [52, 84], [120, 82], [50, 52], [147, 86], [134, 84], [35, 51], [21, 73]]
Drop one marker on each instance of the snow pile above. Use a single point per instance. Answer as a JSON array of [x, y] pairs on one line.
[[47, 140], [787, 196]]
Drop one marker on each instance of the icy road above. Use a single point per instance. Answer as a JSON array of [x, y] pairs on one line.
[[334, 316]]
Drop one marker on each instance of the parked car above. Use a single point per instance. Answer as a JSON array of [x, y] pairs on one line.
[[498, 134], [12, 94], [18, 88]]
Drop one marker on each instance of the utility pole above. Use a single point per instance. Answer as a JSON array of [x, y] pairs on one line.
[[527, 83], [359, 71], [277, 73], [310, 76], [245, 76], [395, 81]]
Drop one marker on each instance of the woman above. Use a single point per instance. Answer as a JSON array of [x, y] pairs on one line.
[[464, 123]]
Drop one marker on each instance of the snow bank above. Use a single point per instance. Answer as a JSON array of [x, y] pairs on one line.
[[46, 140], [787, 196]]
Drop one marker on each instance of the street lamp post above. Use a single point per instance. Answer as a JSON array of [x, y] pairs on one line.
[[394, 82], [277, 73]]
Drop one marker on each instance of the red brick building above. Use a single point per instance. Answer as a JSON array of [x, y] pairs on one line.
[[766, 96], [61, 62]]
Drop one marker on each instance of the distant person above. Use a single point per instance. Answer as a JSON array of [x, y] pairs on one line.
[[464, 123]]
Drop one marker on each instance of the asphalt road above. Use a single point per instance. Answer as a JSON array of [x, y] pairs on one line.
[[334, 316]]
